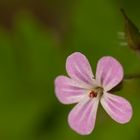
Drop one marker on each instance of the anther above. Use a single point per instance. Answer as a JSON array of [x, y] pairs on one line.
[[92, 94]]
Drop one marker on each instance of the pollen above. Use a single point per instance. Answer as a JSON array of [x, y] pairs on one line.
[[92, 94]]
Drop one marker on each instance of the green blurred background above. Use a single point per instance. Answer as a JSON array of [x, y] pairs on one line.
[[35, 39]]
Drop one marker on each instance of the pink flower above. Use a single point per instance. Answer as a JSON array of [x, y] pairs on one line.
[[88, 90]]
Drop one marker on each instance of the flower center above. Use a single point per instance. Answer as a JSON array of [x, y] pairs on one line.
[[92, 94], [96, 91]]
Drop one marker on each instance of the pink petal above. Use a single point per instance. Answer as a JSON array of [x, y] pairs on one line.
[[82, 117], [68, 91], [78, 68], [109, 72], [117, 107]]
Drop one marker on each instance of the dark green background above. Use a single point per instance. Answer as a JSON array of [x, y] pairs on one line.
[[35, 39]]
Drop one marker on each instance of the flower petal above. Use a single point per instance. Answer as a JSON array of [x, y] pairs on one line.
[[117, 107], [68, 91], [78, 68], [82, 117], [109, 72]]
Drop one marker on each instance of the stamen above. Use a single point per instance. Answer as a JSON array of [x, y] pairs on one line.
[[92, 94]]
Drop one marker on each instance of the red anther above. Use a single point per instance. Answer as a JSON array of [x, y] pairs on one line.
[[92, 94]]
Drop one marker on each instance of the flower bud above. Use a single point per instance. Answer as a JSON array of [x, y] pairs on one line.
[[132, 34]]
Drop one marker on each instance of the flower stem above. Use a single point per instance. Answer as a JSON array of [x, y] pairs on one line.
[[126, 78], [132, 76]]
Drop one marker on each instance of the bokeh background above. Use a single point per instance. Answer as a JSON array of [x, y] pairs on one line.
[[35, 39]]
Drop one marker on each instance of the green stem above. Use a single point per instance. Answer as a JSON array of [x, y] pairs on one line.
[[132, 76], [126, 78]]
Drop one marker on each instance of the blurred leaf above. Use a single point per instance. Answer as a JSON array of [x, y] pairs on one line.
[[30, 60]]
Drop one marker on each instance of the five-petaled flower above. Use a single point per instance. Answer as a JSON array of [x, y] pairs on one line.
[[88, 90]]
